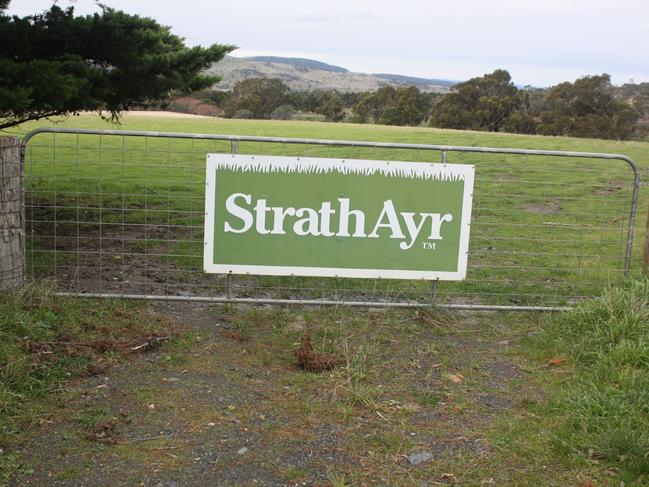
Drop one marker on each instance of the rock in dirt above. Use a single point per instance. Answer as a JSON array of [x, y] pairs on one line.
[[242, 451], [421, 457], [455, 378], [297, 325]]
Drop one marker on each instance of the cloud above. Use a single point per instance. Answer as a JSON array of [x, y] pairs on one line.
[[318, 17]]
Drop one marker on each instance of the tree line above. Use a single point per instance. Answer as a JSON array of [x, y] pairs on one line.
[[270, 98], [588, 107]]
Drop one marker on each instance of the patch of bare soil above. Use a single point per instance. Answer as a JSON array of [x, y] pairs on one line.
[[119, 259], [613, 187], [163, 114], [193, 106], [211, 410], [546, 208]]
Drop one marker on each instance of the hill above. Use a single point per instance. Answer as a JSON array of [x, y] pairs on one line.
[[413, 80], [307, 74], [296, 61]]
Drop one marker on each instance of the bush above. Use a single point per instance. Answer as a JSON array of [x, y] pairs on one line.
[[283, 112], [216, 96], [176, 106], [243, 113]]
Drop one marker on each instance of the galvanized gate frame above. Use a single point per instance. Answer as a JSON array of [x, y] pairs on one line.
[[444, 149]]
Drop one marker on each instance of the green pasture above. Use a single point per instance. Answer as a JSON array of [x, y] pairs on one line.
[[545, 230]]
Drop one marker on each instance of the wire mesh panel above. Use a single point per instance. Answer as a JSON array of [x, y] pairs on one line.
[[121, 213]]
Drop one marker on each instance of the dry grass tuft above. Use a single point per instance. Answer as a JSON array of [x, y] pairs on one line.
[[309, 359]]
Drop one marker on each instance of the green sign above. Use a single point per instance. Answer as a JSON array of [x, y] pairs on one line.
[[337, 217]]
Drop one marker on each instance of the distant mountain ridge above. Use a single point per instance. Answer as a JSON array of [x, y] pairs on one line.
[[301, 74], [298, 61], [413, 80]]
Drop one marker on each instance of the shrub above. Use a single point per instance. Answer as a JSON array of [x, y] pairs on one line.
[[243, 113], [283, 112]]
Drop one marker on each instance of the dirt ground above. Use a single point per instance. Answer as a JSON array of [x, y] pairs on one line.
[[226, 405], [163, 114]]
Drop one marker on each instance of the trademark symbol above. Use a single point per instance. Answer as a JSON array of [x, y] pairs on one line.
[[429, 245]]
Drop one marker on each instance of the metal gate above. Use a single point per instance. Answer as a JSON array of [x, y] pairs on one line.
[[120, 214]]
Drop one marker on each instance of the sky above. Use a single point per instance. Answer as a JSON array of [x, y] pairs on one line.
[[540, 42]]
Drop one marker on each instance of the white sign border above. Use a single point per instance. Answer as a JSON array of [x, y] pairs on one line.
[[215, 160]]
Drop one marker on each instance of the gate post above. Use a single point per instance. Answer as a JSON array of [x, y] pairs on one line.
[[12, 248]]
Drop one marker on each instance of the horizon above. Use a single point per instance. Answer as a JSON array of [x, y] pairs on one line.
[[539, 45]]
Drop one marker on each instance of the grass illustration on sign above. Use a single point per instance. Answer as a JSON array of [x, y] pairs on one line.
[[266, 164], [334, 217]]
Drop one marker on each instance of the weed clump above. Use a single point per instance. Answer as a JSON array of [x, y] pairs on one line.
[[312, 361], [238, 331], [98, 424]]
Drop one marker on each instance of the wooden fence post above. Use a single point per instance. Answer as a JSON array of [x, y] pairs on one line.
[[12, 248]]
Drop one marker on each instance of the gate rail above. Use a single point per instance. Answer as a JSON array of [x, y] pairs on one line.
[[55, 203]]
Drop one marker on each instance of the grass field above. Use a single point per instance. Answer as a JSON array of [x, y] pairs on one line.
[[495, 398], [545, 231]]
